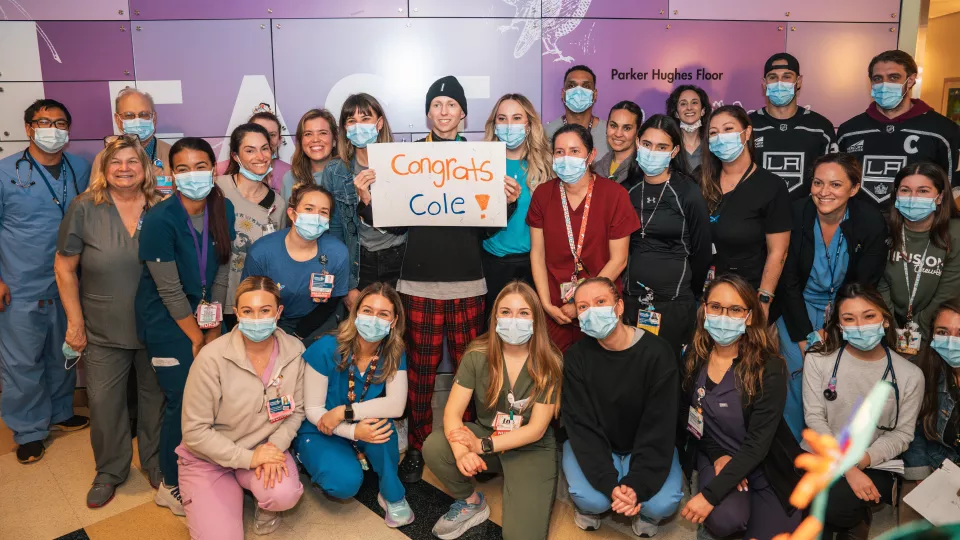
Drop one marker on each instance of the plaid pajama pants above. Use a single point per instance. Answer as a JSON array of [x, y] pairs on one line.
[[428, 321]]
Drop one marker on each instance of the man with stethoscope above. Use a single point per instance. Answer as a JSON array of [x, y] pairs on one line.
[[36, 186], [137, 115]]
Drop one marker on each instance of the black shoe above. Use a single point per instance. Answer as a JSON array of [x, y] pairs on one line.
[[74, 423], [411, 468], [30, 452]]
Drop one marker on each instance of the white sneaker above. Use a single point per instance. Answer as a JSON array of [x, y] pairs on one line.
[[169, 497], [586, 522], [265, 521], [644, 528]]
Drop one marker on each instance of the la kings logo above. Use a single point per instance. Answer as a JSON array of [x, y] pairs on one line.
[[878, 175], [786, 165]]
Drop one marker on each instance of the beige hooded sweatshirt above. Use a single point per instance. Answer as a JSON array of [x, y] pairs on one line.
[[225, 404]]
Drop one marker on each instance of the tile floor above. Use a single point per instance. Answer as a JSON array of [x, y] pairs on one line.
[[46, 500]]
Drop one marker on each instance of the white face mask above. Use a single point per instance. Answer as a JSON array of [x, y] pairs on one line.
[[691, 128], [51, 140]]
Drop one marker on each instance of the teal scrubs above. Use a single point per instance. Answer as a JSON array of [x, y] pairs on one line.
[[515, 239], [166, 236], [37, 390]]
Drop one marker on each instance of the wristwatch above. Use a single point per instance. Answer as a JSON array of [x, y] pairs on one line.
[[765, 296], [813, 338], [348, 412], [486, 444]]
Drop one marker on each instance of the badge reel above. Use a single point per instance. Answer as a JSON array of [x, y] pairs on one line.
[[648, 319], [695, 416], [209, 315], [321, 287], [507, 422], [909, 339], [280, 407], [269, 227]]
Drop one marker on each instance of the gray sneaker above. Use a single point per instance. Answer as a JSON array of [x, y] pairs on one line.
[[460, 518], [586, 522], [644, 528], [100, 494]]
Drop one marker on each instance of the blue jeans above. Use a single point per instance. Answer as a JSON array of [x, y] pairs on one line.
[[793, 410], [332, 464], [172, 379], [590, 501]]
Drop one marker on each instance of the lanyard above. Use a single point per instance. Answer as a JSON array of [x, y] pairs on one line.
[[351, 384], [62, 201], [576, 250], [201, 252], [832, 265], [643, 227], [906, 273], [715, 216]]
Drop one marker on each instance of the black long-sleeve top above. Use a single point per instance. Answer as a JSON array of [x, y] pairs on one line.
[[769, 443], [622, 402], [865, 232]]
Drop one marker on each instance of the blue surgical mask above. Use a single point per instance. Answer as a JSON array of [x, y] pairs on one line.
[[578, 99], [51, 140], [723, 329], [371, 329], [569, 169], [915, 208], [948, 347], [887, 95], [311, 226], [139, 127], [195, 185], [512, 135], [69, 355], [362, 134], [250, 175], [514, 331], [257, 330], [781, 93], [727, 146], [652, 162], [864, 337], [598, 322]]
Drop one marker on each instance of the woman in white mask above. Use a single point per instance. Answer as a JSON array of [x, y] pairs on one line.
[[690, 105], [838, 375], [512, 374]]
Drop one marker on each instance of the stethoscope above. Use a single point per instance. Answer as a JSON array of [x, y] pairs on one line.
[[830, 393], [30, 182]]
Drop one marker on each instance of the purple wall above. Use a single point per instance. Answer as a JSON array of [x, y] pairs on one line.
[[209, 62]]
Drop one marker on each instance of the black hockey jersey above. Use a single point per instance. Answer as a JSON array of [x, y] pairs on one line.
[[788, 147], [884, 146]]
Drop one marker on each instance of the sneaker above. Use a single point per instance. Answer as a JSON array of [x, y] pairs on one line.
[[586, 522], [411, 468], [265, 521], [74, 423], [100, 494], [644, 528], [30, 452], [169, 497], [155, 477], [398, 514], [461, 517]]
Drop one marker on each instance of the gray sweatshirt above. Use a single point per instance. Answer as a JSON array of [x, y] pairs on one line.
[[855, 379]]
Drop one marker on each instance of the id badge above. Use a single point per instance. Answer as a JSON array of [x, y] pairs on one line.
[[567, 289], [165, 184], [279, 408], [321, 287], [695, 423], [269, 228], [908, 339], [503, 424], [209, 315], [711, 274], [649, 321]]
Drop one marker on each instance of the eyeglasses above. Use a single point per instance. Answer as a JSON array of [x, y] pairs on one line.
[[47, 123], [143, 115], [737, 312], [128, 137]]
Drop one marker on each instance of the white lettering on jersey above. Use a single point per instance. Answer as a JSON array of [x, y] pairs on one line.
[[758, 142], [910, 144], [786, 165], [878, 175], [856, 147]]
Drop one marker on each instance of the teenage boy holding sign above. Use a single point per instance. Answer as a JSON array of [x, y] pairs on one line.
[[441, 281]]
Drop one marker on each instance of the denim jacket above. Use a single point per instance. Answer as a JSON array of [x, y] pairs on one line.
[[923, 456], [337, 178]]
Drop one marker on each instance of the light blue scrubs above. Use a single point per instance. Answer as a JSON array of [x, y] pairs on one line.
[[36, 389], [828, 271]]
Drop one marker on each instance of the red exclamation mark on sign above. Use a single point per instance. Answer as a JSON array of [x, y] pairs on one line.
[[482, 200]]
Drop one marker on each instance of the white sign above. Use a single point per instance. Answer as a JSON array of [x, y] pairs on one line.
[[938, 497], [439, 184]]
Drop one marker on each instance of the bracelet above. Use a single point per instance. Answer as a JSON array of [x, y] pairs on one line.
[[766, 292]]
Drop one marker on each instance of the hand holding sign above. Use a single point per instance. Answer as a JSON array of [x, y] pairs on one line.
[[440, 184], [362, 182]]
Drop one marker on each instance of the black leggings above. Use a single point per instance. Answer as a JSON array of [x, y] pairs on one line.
[[845, 510]]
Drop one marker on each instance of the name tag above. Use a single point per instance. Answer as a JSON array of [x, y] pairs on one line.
[[567, 289], [502, 423], [209, 315], [165, 184], [269, 228], [695, 423], [279, 408], [321, 287], [649, 321], [908, 339]]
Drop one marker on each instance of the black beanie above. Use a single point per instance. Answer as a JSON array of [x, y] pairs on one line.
[[449, 87], [792, 63]]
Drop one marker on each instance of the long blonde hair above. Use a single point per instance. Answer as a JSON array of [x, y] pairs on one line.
[[545, 362], [98, 182], [536, 149], [348, 339]]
